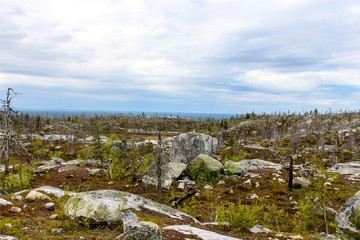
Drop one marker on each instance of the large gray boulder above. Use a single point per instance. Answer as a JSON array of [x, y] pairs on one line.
[[171, 171], [239, 168], [346, 213], [208, 163], [204, 167], [136, 230], [5, 202], [187, 146], [244, 166], [108, 205], [5, 237]]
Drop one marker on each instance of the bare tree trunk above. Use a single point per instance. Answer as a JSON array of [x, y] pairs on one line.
[[159, 169], [7, 113], [291, 170]]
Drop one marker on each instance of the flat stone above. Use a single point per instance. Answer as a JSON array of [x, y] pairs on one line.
[[5, 202], [259, 229], [34, 195], [15, 209], [50, 206], [201, 233], [54, 217]]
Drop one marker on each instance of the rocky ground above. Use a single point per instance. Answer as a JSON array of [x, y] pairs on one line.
[[223, 185]]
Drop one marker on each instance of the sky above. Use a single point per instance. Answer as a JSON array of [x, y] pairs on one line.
[[208, 56]]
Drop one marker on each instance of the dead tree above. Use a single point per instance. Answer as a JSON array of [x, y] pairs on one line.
[[6, 125], [9, 143], [159, 168], [291, 172]]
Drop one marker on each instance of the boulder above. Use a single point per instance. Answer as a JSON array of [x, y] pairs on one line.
[[300, 182], [347, 212], [144, 230], [47, 166], [240, 168], [5, 237], [108, 205], [204, 167], [207, 163], [5, 202], [15, 209], [50, 206], [171, 171], [349, 168], [244, 166], [97, 172], [198, 232], [259, 229], [57, 160], [57, 192], [135, 230], [35, 195], [187, 146]]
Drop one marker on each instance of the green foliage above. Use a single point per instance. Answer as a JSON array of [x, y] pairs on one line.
[[39, 149], [15, 230], [87, 152], [16, 182], [239, 215], [147, 160], [200, 173]]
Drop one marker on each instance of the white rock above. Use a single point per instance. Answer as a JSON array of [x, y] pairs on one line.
[[252, 196], [296, 237], [55, 191], [8, 225], [15, 209], [50, 206], [201, 233], [247, 182], [208, 187], [181, 186], [54, 216], [221, 182], [5, 237], [5, 202], [259, 229], [107, 206], [17, 197], [35, 195]]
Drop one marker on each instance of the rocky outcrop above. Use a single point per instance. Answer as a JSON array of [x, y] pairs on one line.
[[5, 202], [108, 205], [187, 146], [198, 232], [5, 237], [171, 171], [347, 212], [35, 195], [136, 230], [205, 167], [242, 167], [352, 169], [208, 163]]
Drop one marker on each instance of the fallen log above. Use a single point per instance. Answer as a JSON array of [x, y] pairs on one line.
[[178, 199]]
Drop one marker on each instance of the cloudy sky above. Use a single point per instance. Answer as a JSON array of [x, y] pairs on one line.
[[214, 56]]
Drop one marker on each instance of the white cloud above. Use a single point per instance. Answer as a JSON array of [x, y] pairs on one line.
[[181, 47]]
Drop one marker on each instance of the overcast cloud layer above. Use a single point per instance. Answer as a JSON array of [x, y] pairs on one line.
[[229, 56]]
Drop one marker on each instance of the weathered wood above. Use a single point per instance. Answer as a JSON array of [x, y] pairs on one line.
[[178, 199]]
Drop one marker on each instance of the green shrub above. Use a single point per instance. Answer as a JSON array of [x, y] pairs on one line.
[[199, 173], [17, 182], [239, 215]]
